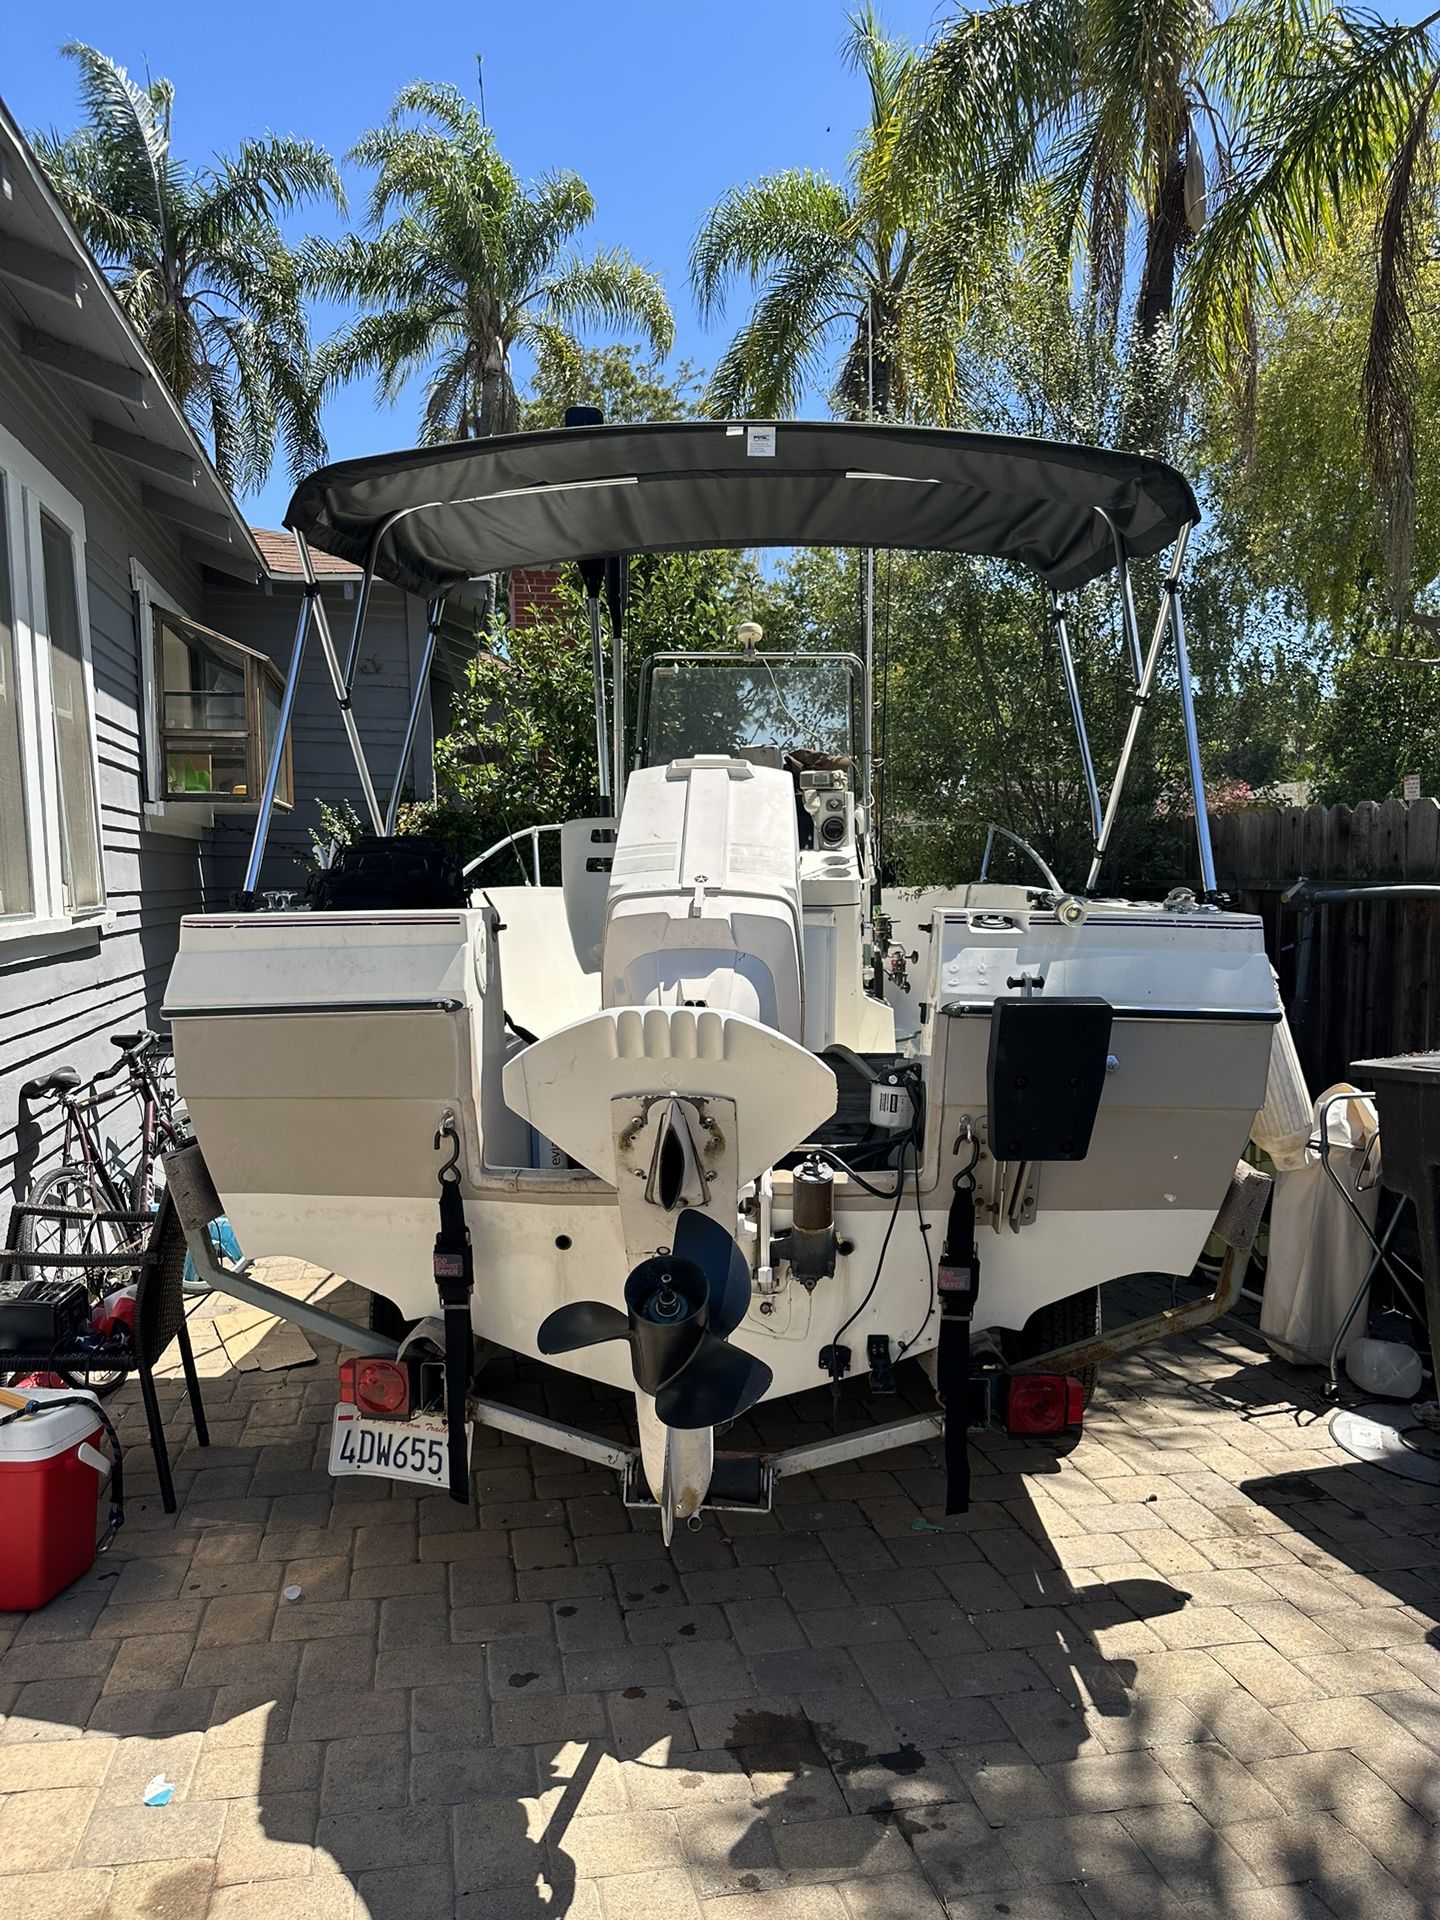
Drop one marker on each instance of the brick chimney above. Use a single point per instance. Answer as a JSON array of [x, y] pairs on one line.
[[534, 596]]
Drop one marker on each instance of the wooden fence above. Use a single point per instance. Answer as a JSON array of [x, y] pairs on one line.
[[1360, 978]]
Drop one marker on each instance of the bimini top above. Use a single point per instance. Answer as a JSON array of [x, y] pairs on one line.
[[435, 516]]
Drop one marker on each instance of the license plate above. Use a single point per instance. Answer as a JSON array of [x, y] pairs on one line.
[[413, 1449]]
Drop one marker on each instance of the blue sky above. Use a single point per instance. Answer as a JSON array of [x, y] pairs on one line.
[[659, 104]]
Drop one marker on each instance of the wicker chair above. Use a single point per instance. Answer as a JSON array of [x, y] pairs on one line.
[[156, 1260]]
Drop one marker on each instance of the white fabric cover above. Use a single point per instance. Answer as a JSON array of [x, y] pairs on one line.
[[1318, 1253], [1287, 1120]]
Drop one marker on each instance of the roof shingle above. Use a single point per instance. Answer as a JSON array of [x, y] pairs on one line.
[[277, 549]]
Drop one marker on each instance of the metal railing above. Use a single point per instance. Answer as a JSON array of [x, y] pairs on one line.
[[993, 827], [532, 834]]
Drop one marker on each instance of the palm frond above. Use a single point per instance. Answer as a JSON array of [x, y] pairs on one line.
[[393, 344], [760, 227], [1388, 378], [614, 290], [261, 179], [1324, 139], [990, 80], [115, 172], [884, 61], [782, 348]]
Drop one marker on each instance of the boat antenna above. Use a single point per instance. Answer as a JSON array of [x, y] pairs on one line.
[[592, 578]]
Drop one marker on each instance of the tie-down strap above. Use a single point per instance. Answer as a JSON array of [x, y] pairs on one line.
[[454, 1268], [958, 1284]]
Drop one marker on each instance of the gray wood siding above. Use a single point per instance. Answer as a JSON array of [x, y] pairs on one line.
[[59, 1008]]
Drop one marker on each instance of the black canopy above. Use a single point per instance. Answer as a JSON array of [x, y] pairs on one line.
[[444, 514]]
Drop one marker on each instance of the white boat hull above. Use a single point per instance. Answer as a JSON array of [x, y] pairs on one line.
[[318, 1054]]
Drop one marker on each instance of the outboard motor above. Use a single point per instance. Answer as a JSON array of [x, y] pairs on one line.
[[691, 1081], [704, 903]]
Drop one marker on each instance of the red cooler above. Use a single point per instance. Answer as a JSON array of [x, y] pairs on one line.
[[52, 1470]]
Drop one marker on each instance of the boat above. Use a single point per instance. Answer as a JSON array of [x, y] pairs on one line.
[[715, 1120]]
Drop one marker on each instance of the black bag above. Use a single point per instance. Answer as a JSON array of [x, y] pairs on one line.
[[379, 875], [36, 1314]]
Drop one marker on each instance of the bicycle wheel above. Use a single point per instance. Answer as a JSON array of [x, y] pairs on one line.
[[69, 1187]]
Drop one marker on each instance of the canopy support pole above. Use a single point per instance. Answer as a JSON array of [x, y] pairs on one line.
[[362, 608], [341, 691], [1192, 747], [277, 751], [1169, 601], [867, 724], [433, 615], [1077, 710], [1127, 595], [617, 697], [597, 669]]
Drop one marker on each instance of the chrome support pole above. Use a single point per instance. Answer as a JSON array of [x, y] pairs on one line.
[[337, 682], [535, 852], [362, 608], [867, 725], [1127, 595], [277, 750], [597, 669], [1168, 600], [617, 701], [412, 722], [1192, 746], [1072, 687], [1132, 625]]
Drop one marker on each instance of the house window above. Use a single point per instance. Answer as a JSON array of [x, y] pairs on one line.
[[219, 707], [51, 864], [17, 894], [70, 709]]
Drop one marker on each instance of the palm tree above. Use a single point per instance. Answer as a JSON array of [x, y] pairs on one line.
[[1302, 114], [849, 287], [1100, 100], [463, 264], [198, 261]]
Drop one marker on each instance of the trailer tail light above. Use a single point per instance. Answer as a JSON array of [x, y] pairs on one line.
[[379, 1387], [1043, 1403]]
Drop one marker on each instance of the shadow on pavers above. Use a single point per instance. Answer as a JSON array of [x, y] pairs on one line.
[[482, 1712]]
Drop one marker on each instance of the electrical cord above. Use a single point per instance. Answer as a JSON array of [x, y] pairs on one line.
[[828, 1153], [930, 1271], [913, 1141], [884, 1248]]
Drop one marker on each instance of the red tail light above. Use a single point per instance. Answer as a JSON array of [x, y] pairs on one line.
[[380, 1387], [1043, 1403]]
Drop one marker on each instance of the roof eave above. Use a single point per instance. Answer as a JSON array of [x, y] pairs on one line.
[[100, 298]]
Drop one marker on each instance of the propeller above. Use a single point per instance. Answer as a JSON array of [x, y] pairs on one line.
[[680, 1309]]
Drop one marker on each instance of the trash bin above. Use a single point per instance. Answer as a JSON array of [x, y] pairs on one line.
[[1407, 1098], [51, 1474]]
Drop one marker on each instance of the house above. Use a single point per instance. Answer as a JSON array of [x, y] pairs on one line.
[[145, 631]]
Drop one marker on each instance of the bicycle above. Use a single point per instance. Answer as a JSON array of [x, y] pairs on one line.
[[85, 1187]]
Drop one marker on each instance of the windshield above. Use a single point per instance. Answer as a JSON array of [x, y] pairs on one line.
[[753, 706]]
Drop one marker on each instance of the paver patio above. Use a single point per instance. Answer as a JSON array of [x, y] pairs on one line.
[[1189, 1669]]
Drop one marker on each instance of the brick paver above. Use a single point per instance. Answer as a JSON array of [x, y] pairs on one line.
[[1183, 1669]]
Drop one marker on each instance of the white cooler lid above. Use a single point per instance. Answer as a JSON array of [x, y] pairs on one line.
[[40, 1436]]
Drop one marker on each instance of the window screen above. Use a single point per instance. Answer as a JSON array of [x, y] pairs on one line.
[[75, 763], [17, 894]]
